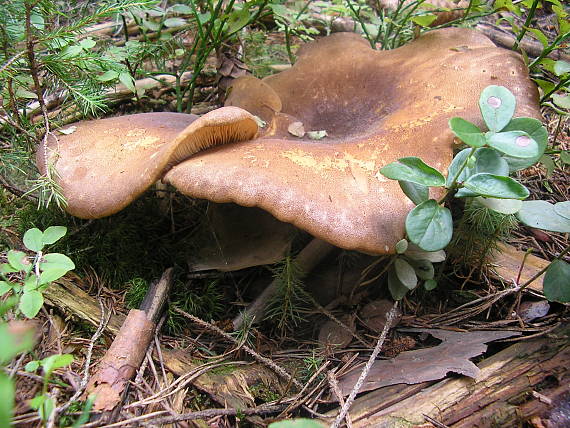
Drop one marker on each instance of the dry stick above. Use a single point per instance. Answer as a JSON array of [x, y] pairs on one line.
[[258, 357], [306, 260], [367, 367], [333, 383]]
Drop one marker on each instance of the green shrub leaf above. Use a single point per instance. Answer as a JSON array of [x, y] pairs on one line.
[[556, 282], [542, 215], [417, 193], [429, 226], [31, 302], [397, 289], [413, 169], [405, 273], [423, 268], [297, 423], [430, 284], [485, 160], [33, 240], [497, 106], [19, 261], [503, 206], [56, 361], [563, 209], [53, 234], [535, 129], [517, 144], [7, 393], [496, 186], [468, 132]]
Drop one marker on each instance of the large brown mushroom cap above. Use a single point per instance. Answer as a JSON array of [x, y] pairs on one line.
[[103, 165], [376, 107]]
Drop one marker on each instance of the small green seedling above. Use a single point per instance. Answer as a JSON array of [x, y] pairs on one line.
[[26, 277], [481, 171]]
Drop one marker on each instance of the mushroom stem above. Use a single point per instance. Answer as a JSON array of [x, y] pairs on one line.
[[306, 260]]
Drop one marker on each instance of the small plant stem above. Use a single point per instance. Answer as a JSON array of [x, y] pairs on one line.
[[457, 174], [288, 45], [411, 10], [546, 51], [343, 412], [526, 24], [537, 275], [362, 24], [560, 84], [37, 85], [467, 11], [526, 254]]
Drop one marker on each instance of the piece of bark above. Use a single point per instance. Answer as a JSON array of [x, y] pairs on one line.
[[129, 348], [500, 396], [505, 265], [507, 40], [121, 361]]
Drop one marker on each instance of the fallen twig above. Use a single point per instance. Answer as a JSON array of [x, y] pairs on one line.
[[344, 410]]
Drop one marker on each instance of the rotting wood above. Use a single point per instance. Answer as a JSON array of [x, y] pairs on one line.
[[124, 357], [506, 264], [508, 40], [228, 389], [501, 395]]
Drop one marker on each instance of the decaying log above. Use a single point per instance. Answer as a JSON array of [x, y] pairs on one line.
[[504, 394], [507, 40], [129, 348], [228, 389], [507, 262]]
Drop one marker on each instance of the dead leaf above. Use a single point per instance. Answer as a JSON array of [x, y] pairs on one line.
[[317, 135], [333, 335], [373, 315], [531, 310], [67, 131], [422, 365], [297, 129]]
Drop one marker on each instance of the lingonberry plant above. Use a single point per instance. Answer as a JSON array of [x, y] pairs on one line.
[[481, 174]]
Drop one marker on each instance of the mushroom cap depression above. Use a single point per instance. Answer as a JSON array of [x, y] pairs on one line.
[[103, 165], [376, 107]]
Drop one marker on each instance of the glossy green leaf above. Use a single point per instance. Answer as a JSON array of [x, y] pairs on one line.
[[181, 8], [401, 246], [563, 209], [424, 269], [127, 80], [535, 129], [496, 186], [424, 20], [556, 283], [56, 361], [174, 22], [6, 286], [417, 193], [516, 144], [565, 156], [7, 392], [238, 19], [56, 261], [542, 215], [405, 273], [33, 240], [32, 366], [413, 169], [485, 160], [561, 100], [397, 289], [429, 226], [18, 260], [430, 284], [30, 303], [108, 76], [503, 206], [416, 253], [467, 132], [561, 67], [547, 162], [497, 106], [53, 234]]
